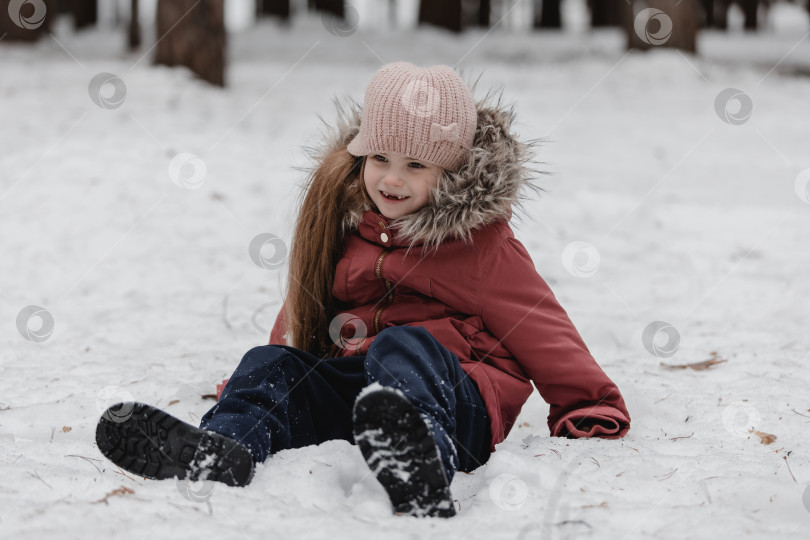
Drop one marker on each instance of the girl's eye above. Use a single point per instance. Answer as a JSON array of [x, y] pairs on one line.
[[382, 159]]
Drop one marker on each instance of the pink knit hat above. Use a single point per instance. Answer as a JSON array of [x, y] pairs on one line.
[[425, 113]]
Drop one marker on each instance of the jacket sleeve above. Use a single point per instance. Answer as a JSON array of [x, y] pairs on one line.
[[519, 308], [276, 338]]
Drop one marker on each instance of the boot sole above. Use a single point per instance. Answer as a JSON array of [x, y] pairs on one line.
[[399, 449], [154, 444]]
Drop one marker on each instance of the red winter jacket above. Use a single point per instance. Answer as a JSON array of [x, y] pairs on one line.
[[477, 291]]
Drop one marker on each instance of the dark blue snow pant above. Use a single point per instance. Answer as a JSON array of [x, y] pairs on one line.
[[282, 397]]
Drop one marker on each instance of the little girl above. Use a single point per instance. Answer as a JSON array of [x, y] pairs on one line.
[[414, 321]]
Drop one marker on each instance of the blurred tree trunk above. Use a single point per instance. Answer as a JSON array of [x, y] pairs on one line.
[[721, 15], [484, 9], [193, 36], [85, 13], [29, 23], [749, 8], [275, 8], [134, 31], [604, 13], [442, 14], [548, 16], [716, 14], [676, 27], [335, 7]]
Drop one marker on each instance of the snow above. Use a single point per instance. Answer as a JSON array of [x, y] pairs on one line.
[[697, 223]]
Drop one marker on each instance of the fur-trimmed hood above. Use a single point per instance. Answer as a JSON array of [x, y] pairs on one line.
[[493, 180]]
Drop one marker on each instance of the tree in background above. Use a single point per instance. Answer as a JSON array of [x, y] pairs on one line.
[[442, 14], [85, 13], [604, 13], [335, 7], [274, 8], [191, 33], [455, 15], [134, 29], [22, 20], [483, 13], [547, 14], [716, 12], [661, 23]]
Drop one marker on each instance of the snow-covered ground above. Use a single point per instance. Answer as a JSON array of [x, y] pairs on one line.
[[686, 219]]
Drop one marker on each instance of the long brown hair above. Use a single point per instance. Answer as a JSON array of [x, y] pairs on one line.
[[334, 188]]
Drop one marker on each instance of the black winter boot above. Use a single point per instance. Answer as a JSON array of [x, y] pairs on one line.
[[154, 444], [400, 450]]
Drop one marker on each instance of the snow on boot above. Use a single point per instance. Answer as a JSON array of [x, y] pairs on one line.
[[398, 447], [154, 444]]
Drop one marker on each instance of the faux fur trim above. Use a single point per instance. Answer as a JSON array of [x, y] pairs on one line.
[[486, 188]]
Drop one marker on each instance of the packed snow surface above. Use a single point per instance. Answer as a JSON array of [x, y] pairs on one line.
[[131, 225]]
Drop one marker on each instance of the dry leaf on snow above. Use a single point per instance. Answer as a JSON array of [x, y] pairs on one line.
[[765, 438], [123, 490]]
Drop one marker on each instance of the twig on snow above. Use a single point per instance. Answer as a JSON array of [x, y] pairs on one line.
[[788, 467], [682, 437], [38, 477], [121, 472], [574, 522], [87, 459], [668, 475]]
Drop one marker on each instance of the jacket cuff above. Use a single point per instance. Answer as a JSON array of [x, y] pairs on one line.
[[221, 387], [599, 421]]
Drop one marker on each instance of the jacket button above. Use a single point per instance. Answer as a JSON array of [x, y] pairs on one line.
[[384, 237]]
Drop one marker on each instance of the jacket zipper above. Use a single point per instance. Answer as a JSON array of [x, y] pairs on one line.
[[390, 294]]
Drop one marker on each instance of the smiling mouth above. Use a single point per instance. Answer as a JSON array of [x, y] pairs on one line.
[[392, 197]]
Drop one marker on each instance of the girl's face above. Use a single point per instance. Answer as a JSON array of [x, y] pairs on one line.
[[389, 175]]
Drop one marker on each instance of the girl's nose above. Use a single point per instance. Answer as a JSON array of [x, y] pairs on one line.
[[393, 180]]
